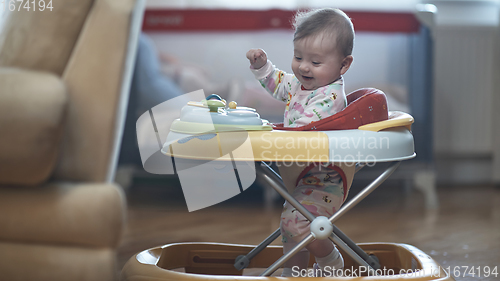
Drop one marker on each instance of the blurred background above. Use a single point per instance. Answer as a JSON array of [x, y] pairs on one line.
[[437, 60], [72, 76]]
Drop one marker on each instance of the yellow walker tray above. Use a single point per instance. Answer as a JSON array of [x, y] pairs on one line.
[[209, 131]]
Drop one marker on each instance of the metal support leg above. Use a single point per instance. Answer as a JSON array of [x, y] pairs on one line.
[[281, 261], [339, 238], [355, 248], [242, 261], [366, 191], [271, 177]]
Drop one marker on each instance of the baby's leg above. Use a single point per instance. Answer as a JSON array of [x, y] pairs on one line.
[[321, 248], [327, 256], [292, 233], [321, 191], [301, 259]]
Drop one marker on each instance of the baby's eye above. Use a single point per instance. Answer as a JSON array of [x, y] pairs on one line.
[[316, 63], [298, 58]]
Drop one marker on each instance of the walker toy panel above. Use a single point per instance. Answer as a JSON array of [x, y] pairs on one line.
[[214, 261], [214, 116]]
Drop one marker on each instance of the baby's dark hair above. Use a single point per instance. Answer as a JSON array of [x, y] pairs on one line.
[[329, 20]]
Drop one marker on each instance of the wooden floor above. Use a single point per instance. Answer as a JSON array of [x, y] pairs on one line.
[[463, 231]]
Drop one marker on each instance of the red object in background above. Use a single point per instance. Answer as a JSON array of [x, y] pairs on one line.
[[364, 106], [215, 20], [250, 20]]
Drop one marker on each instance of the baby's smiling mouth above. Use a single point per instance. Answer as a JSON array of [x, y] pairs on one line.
[[307, 77]]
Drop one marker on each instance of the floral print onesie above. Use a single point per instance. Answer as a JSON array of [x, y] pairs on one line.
[[302, 106], [320, 189]]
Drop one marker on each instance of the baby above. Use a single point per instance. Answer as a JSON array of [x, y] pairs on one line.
[[323, 43]]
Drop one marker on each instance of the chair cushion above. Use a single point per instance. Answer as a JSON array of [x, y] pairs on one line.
[[41, 40], [63, 214], [32, 106], [364, 106], [98, 91]]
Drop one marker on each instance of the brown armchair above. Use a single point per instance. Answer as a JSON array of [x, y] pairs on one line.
[[64, 81]]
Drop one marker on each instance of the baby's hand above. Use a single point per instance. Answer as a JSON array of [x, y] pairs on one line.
[[257, 58]]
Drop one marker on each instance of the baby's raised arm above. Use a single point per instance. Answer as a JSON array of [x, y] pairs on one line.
[[257, 58], [275, 81]]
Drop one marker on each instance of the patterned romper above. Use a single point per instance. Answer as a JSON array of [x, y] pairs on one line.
[[320, 189]]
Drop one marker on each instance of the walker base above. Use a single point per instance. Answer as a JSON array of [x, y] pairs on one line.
[[215, 261]]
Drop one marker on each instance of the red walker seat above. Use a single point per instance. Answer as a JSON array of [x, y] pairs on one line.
[[364, 106]]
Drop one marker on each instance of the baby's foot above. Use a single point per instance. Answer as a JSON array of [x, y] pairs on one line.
[[328, 271], [332, 266]]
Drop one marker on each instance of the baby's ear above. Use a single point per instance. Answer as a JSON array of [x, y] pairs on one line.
[[346, 63]]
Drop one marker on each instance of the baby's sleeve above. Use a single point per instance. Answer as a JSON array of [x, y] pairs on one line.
[[275, 81]]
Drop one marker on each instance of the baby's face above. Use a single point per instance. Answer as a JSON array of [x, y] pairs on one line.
[[316, 62]]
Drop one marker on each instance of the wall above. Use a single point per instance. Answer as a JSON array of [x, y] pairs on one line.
[[379, 58]]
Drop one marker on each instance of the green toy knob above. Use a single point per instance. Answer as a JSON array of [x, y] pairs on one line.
[[214, 102]]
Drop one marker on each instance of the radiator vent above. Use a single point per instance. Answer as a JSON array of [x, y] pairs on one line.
[[463, 90]]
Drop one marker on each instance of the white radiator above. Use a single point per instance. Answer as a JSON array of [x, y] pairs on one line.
[[463, 90], [466, 89]]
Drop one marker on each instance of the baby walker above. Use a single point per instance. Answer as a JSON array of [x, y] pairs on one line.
[[366, 118]]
